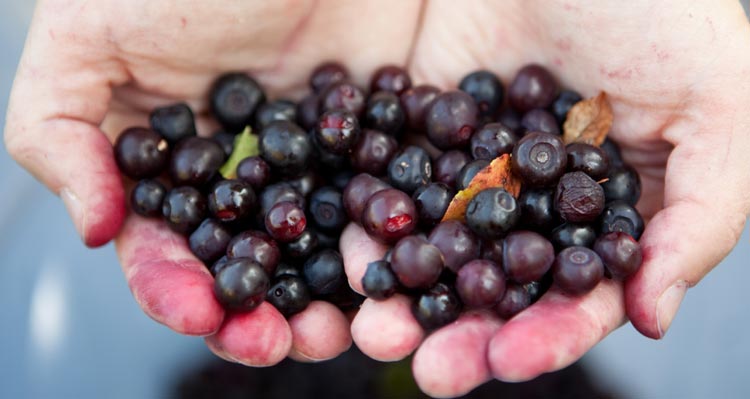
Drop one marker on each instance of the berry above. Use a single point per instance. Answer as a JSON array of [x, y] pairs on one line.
[[218, 265], [390, 78], [302, 247], [436, 307], [337, 131], [415, 103], [289, 295], [255, 171], [537, 209], [327, 74], [432, 201], [588, 159], [285, 221], [147, 197], [613, 152], [469, 171], [279, 110], [577, 270], [480, 284], [287, 269], [578, 198], [563, 103], [379, 282], [327, 210], [342, 96], [226, 141], [173, 122], [257, 246], [516, 299], [209, 241], [621, 254], [456, 242], [279, 192], [195, 161], [416, 262], [486, 89], [307, 111], [285, 147], [384, 113], [573, 235], [492, 250], [623, 184], [448, 166], [305, 183], [234, 98], [527, 256], [141, 153], [492, 213], [621, 216], [539, 158], [539, 120], [341, 179], [373, 152], [184, 209], [409, 169], [241, 285], [510, 119], [324, 272], [389, 215], [492, 140], [451, 120], [356, 193], [533, 87], [231, 200]]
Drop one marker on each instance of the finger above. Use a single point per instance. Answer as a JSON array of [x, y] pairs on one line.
[[453, 360], [59, 97], [706, 199], [555, 332], [168, 282], [258, 338], [358, 249], [320, 332], [386, 330]]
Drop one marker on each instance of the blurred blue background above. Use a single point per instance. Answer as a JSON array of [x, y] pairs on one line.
[[71, 328]]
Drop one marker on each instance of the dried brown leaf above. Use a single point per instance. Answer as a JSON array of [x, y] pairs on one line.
[[497, 174], [589, 121]]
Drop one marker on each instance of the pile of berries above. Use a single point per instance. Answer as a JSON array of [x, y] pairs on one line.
[[264, 212]]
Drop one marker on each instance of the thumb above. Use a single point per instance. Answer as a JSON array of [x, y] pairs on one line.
[[706, 204], [60, 96]]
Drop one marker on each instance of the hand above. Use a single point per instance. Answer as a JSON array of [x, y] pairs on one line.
[[91, 69], [677, 76], [95, 68]]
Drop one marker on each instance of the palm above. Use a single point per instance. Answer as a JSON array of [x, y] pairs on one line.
[[656, 89]]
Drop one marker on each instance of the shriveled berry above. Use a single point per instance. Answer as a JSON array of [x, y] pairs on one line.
[[578, 198]]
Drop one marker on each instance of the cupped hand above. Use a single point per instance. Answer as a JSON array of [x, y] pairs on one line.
[[676, 75]]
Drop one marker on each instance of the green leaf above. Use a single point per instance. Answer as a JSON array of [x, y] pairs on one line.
[[245, 145]]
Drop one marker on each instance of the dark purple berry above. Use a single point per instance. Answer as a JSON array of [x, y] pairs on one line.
[[279, 110], [486, 89], [516, 299], [416, 262], [307, 111], [390, 78], [492, 140], [209, 241], [563, 103], [451, 120], [448, 166], [623, 184], [184, 209], [480, 284], [373, 152], [173, 122], [196, 161], [147, 197], [492, 250], [379, 282], [342, 96], [257, 246], [621, 254], [577, 270], [327, 210], [234, 98], [324, 272], [436, 307], [302, 247], [527, 256], [285, 147], [432, 201], [384, 113], [539, 158], [255, 171], [533, 87], [456, 242], [231, 200], [621, 216], [279, 192], [218, 265], [415, 102], [327, 74], [356, 193], [241, 285], [537, 209], [492, 213], [285, 221], [289, 295], [337, 131], [539, 120], [588, 159], [409, 169], [469, 171], [613, 152], [573, 235], [389, 215], [141, 153], [226, 141]]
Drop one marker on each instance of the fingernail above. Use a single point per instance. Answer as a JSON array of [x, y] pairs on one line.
[[667, 305], [294, 354], [75, 209]]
